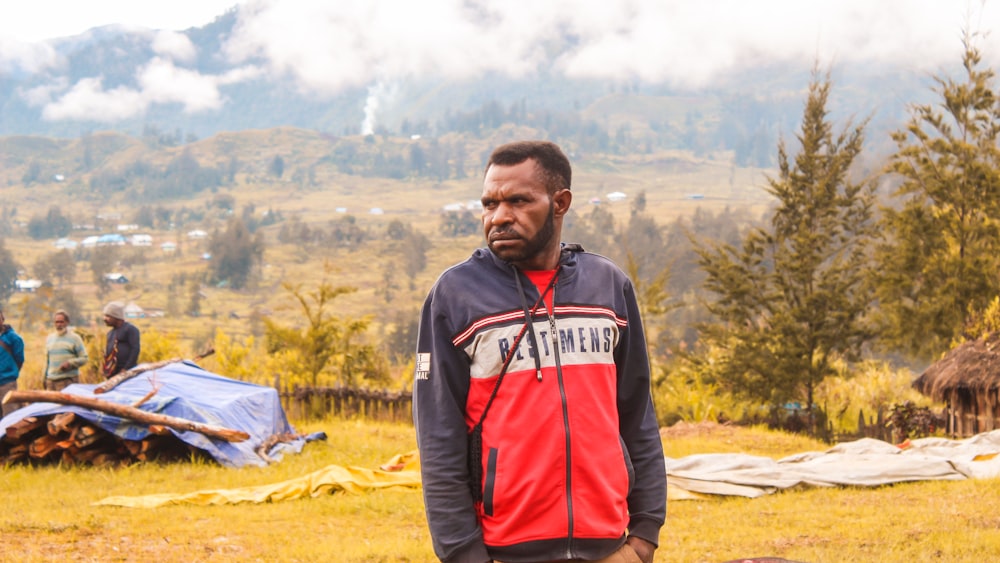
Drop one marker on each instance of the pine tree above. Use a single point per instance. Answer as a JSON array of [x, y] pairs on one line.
[[941, 251], [791, 300]]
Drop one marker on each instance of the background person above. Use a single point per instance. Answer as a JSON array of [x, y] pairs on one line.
[[11, 360], [65, 354], [538, 440], [121, 352]]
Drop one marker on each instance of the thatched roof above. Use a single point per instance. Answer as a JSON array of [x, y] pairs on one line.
[[973, 366]]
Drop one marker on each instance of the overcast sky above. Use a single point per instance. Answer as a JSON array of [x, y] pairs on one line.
[[326, 46]]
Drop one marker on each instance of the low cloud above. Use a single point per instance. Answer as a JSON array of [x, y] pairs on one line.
[[18, 56], [159, 82], [88, 101], [174, 45], [327, 47]]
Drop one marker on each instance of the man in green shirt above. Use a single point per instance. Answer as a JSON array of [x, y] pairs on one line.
[[66, 354]]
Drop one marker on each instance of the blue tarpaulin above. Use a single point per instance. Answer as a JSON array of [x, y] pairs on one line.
[[189, 392]]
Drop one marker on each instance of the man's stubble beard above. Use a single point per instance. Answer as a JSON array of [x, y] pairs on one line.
[[534, 245]]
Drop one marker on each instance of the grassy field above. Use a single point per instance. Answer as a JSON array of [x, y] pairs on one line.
[[48, 513]]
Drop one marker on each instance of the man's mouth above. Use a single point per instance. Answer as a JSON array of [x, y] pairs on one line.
[[504, 236]]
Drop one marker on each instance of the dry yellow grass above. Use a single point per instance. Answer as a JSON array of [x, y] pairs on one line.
[[48, 514]]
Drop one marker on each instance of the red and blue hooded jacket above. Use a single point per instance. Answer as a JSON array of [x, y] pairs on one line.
[[571, 459]]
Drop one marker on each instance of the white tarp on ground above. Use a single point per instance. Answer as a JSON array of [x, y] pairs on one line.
[[864, 463]]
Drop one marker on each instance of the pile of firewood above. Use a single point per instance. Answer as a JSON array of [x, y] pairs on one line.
[[68, 439]]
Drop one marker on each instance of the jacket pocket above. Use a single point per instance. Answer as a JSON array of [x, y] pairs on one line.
[[491, 477], [628, 465]]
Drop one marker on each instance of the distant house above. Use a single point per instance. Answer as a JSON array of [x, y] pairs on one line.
[[376, 211], [616, 196], [141, 240], [197, 234], [967, 380], [27, 286], [66, 243], [111, 239], [169, 247], [90, 242], [133, 311], [115, 277]]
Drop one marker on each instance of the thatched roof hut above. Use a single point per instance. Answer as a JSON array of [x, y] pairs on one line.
[[968, 379]]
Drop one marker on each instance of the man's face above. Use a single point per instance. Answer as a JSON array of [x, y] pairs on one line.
[[60, 322], [109, 320], [519, 216]]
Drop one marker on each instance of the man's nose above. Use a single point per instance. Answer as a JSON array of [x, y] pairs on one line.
[[502, 215]]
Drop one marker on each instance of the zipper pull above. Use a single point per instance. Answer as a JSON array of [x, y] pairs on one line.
[[538, 373]]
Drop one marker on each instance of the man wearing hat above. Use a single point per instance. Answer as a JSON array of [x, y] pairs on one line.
[[121, 353], [11, 360]]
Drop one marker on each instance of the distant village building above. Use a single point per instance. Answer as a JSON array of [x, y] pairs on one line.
[[197, 234], [967, 380], [27, 286], [65, 244], [116, 277], [141, 240], [111, 239], [133, 311], [169, 247], [616, 196]]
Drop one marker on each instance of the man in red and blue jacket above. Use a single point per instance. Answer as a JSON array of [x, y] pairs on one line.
[[537, 435]]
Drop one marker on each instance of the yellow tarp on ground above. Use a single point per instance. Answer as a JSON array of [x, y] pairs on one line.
[[402, 472]]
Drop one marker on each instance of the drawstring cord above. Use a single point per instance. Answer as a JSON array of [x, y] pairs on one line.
[[530, 315]]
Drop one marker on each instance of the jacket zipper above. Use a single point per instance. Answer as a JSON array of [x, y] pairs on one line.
[[565, 413]]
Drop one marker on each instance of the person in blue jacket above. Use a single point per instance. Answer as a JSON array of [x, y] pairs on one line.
[[11, 360]]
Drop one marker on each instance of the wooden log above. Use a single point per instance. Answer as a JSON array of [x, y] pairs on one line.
[[86, 435], [16, 453], [42, 446], [125, 411], [23, 428], [159, 429], [134, 447], [117, 380], [62, 422]]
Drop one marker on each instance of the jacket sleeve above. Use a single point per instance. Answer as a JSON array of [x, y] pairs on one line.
[[440, 390], [80, 351], [647, 503], [16, 347], [133, 340]]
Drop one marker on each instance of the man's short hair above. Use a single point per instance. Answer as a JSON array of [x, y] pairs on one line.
[[61, 312], [555, 169]]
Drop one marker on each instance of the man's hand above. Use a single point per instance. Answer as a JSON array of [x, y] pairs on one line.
[[642, 548]]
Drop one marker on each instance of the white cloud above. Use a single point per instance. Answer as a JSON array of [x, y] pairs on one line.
[[162, 82], [28, 57], [159, 82], [87, 100], [174, 45], [327, 47], [43, 94]]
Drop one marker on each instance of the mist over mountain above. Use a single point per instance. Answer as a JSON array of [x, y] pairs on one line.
[[346, 73]]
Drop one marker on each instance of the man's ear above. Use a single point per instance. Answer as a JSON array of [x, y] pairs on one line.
[[561, 201]]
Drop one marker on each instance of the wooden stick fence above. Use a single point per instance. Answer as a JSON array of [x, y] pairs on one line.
[[315, 402]]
